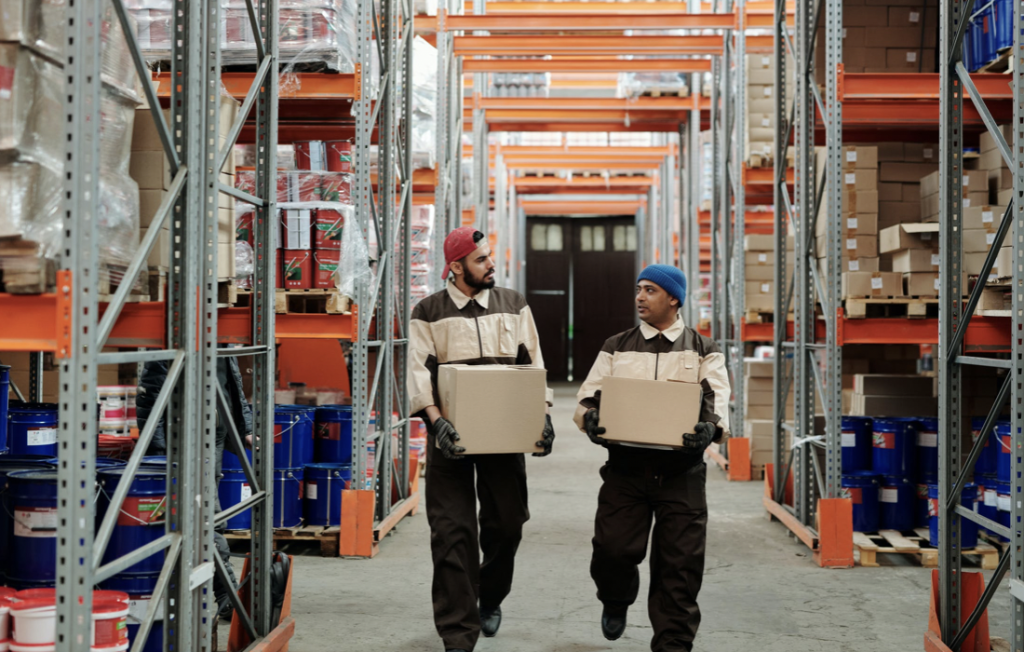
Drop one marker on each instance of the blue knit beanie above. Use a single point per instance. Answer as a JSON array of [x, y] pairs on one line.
[[670, 278]]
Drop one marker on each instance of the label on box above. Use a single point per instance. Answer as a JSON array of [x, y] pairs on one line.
[[1003, 503], [766, 288], [990, 498], [851, 178], [41, 436], [849, 439], [310, 490], [888, 495], [928, 439], [6, 82], [936, 259], [762, 258], [928, 152], [966, 180], [990, 238], [844, 32], [967, 202], [851, 223], [767, 91], [851, 243], [876, 284], [987, 217], [766, 122], [936, 285], [911, 57], [854, 266], [41, 522], [766, 62], [851, 156], [915, 17]]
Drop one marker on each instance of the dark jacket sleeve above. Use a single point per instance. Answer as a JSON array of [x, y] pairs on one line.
[[150, 382]]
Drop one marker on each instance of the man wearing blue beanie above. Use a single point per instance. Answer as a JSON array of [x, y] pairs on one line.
[[646, 483]]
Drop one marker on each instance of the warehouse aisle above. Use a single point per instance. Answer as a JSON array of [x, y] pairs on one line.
[[761, 591]]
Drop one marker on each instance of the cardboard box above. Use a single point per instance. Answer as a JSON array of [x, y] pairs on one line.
[[905, 172], [975, 181], [893, 384], [860, 158], [871, 284], [1004, 197], [890, 191], [761, 272], [874, 58], [930, 184], [759, 295], [852, 246], [754, 242], [499, 408], [893, 406], [908, 236], [911, 59], [991, 160], [921, 152], [976, 198], [759, 368], [754, 258], [911, 16], [921, 284], [160, 254], [1004, 263], [679, 408], [860, 179], [978, 241], [863, 17], [986, 143], [759, 383], [868, 264], [911, 191], [759, 398], [915, 260], [860, 201]]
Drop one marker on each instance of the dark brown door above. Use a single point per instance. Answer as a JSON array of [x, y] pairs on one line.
[[604, 278], [579, 284], [548, 260]]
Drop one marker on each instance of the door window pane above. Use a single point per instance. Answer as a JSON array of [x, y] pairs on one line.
[[586, 238], [624, 237], [554, 237], [599, 238], [631, 237], [546, 237]]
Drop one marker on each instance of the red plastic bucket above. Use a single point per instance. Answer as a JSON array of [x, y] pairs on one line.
[[337, 187], [327, 228], [325, 264], [109, 623], [339, 155], [305, 186], [298, 269]]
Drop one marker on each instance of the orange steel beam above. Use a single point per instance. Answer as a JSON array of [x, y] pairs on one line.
[[913, 86], [544, 21], [604, 64], [308, 85], [760, 44], [550, 44], [755, 8], [577, 104], [911, 114], [762, 176], [578, 184], [671, 126], [756, 20], [585, 165], [574, 150], [580, 207]]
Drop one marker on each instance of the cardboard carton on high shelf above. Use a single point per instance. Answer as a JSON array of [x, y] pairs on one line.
[[680, 410], [911, 16], [851, 246], [860, 158], [755, 242], [921, 152], [978, 240], [908, 236], [495, 408], [973, 181], [871, 285], [894, 384], [893, 171], [909, 59], [986, 143], [759, 295], [915, 260], [891, 213], [754, 258], [892, 406]]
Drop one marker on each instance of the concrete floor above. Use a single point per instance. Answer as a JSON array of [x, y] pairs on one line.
[[761, 590]]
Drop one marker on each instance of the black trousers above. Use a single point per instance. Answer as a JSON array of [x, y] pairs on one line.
[[630, 499], [461, 581]]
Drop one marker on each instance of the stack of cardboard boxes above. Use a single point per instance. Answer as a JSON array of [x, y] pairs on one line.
[[151, 170], [759, 412], [760, 136], [886, 38], [759, 282], [893, 395]]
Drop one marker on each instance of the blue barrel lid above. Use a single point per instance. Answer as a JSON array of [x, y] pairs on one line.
[[895, 424], [1002, 427], [29, 407], [329, 411], [17, 459], [1003, 488], [294, 472], [929, 424], [146, 475], [290, 407], [894, 480], [859, 479], [328, 466], [40, 475], [853, 422]]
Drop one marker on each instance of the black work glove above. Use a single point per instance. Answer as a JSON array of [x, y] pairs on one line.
[[703, 434], [547, 437], [445, 435], [590, 424]]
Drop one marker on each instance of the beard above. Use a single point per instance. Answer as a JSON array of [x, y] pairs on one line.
[[478, 283]]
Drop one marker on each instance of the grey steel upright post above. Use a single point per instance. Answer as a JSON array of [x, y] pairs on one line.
[[77, 439], [716, 286], [803, 295], [738, 271], [1017, 357], [687, 225], [481, 151], [446, 164], [783, 217], [831, 379], [501, 219], [694, 175]]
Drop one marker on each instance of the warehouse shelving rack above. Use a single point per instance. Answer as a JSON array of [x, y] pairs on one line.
[[72, 324], [957, 593]]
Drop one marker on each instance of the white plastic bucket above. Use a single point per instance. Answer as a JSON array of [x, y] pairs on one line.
[[4, 646], [52, 647], [35, 622], [5, 621]]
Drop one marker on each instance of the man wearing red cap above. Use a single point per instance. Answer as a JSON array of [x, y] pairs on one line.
[[471, 322]]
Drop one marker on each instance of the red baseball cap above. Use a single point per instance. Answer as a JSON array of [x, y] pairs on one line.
[[457, 246]]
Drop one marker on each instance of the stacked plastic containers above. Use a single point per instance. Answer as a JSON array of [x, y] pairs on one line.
[[28, 621]]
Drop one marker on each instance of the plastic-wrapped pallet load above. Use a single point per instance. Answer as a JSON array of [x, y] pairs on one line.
[[424, 104], [32, 150], [310, 31], [421, 265]]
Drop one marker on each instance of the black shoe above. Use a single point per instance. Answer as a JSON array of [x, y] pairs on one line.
[[457, 650], [612, 625], [490, 621]]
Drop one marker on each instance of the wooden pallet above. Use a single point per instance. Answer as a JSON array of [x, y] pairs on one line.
[[310, 301], [665, 92], [23, 270], [326, 537], [227, 293], [909, 307], [893, 542]]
